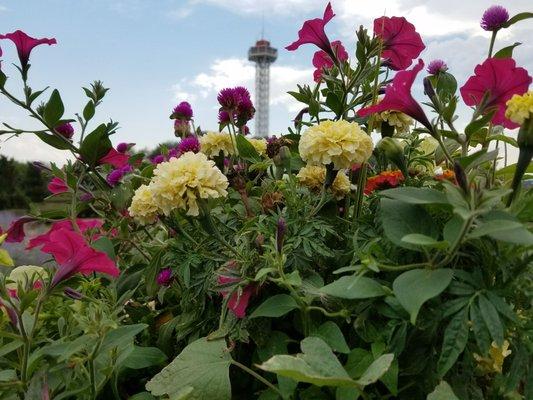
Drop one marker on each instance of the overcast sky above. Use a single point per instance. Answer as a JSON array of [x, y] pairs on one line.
[[155, 53]]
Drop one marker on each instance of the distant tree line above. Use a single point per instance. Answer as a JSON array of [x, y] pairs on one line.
[[20, 184]]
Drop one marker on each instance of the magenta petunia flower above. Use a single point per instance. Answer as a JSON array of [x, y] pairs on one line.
[[312, 32], [183, 111], [25, 44], [501, 78], [15, 232], [164, 278], [436, 66], [57, 186], [84, 224], [401, 42], [398, 97], [322, 60], [114, 158], [66, 130], [74, 255], [190, 143], [238, 302], [494, 18]]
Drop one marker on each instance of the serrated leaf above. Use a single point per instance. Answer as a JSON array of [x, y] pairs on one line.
[[413, 288], [354, 287], [275, 306], [203, 366], [455, 338], [443, 391]]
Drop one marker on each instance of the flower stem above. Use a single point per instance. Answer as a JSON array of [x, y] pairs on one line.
[[257, 376], [492, 41], [360, 192]]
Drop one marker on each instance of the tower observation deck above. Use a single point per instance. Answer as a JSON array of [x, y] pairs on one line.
[[262, 54]]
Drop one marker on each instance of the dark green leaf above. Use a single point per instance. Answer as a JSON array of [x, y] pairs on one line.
[[88, 111], [455, 338], [246, 149], [413, 195], [143, 357], [95, 145], [105, 245], [516, 18], [443, 391], [53, 140], [54, 109], [492, 319], [481, 333], [354, 287], [330, 332], [275, 306]]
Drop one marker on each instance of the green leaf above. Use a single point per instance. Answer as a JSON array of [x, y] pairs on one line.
[[53, 140], [424, 241], [400, 219], [493, 226], [317, 365], [95, 145], [122, 335], [5, 259], [481, 334], [455, 338], [331, 334], [354, 287], [491, 318], [518, 17], [143, 357], [89, 110], [376, 370], [54, 109], [203, 366], [104, 245], [246, 149], [477, 124], [275, 306], [358, 362], [413, 288], [413, 195], [452, 229], [142, 396], [443, 391]]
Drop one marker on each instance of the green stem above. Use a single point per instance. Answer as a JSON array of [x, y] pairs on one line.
[[361, 183], [457, 243], [257, 376], [342, 313], [405, 267], [492, 41]]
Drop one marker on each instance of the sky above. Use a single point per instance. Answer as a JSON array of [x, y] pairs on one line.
[[152, 54]]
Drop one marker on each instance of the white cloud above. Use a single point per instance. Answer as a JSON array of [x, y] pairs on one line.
[[28, 147], [180, 13]]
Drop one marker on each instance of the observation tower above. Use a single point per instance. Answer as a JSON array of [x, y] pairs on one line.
[[262, 54]]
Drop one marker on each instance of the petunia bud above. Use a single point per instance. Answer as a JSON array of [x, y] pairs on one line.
[[394, 152], [280, 234], [460, 177], [259, 242], [73, 294], [429, 91]]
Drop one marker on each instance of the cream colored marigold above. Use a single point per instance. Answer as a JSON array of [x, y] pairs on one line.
[[212, 143], [341, 142], [520, 108], [180, 182], [260, 145], [26, 274], [494, 362], [396, 119], [143, 207], [313, 177]]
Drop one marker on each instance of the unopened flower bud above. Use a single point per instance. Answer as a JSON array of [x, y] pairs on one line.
[[259, 242], [394, 152], [429, 90], [164, 278], [73, 294], [460, 177], [280, 234]]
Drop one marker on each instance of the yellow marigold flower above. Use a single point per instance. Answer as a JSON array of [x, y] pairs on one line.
[[143, 207], [396, 119], [313, 177], [520, 108], [212, 143], [341, 142], [260, 145], [25, 274], [494, 361], [180, 182]]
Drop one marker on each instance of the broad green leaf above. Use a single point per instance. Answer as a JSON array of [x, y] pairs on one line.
[[95, 145], [246, 149], [424, 241], [53, 140], [413, 288], [203, 366], [455, 338], [9, 347], [105, 245], [481, 334], [316, 365], [376, 370], [519, 235], [413, 195], [400, 219], [143, 357], [491, 318], [54, 109], [88, 111], [452, 229], [494, 226], [275, 306], [123, 334], [443, 391], [354, 287], [516, 18], [5, 259], [358, 362], [142, 396], [331, 334]]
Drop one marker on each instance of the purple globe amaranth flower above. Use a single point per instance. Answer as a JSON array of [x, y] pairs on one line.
[[115, 176], [436, 66], [229, 98], [245, 111], [494, 18], [158, 159], [164, 278], [66, 130], [224, 118], [182, 111], [123, 147], [190, 143], [242, 92], [173, 153]]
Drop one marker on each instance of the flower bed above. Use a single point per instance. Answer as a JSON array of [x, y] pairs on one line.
[[313, 265]]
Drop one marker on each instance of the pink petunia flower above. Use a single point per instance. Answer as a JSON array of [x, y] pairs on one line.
[[501, 79], [15, 232], [312, 32], [115, 158], [398, 97], [74, 255], [238, 302], [25, 44], [401, 42], [322, 60], [84, 224], [57, 186]]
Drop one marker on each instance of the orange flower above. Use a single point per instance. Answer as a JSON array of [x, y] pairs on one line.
[[447, 175], [385, 180]]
